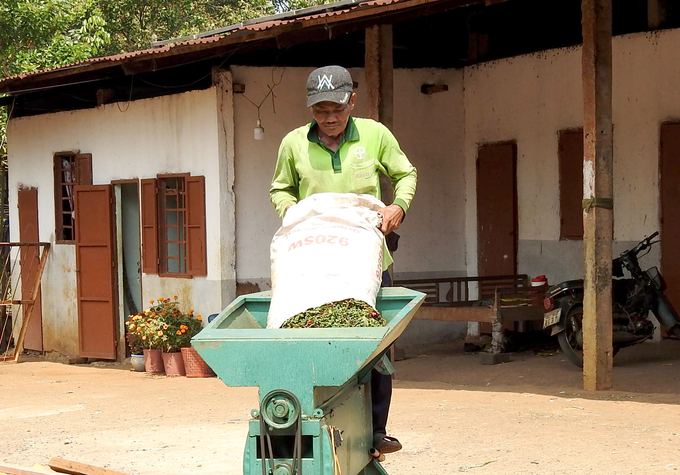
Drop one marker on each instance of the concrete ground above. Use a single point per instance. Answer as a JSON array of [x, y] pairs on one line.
[[529, 416]]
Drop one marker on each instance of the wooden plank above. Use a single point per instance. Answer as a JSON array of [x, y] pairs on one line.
[[597, 179], [76, 468], [28, 308], [10, 469], [456, 314]]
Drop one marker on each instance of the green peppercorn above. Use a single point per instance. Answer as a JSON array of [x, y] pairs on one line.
[[344, 313]]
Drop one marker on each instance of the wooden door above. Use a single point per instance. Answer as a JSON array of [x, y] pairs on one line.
[[497, 209], [95, 265], [670, 210], [30, 260]]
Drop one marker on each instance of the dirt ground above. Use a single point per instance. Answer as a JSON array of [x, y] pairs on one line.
[[529, 416]]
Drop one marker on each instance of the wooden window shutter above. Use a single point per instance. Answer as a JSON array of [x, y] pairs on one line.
[[571, 184], [84, 168], [149, 226], [196, 236]]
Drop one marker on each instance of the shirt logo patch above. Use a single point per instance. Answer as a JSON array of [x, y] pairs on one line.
[[360, 153], [325, 82]]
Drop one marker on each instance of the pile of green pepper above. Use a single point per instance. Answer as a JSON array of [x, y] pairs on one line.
[[344, 313]]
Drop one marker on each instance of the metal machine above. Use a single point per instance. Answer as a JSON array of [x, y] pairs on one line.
[[314, 416]]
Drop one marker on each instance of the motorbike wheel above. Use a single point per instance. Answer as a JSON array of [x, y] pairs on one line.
[[571, 339], [676, 330]]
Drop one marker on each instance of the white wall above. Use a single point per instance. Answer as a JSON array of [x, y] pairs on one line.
[[530, 98], [429, 129], [527, 99], [171, 134]]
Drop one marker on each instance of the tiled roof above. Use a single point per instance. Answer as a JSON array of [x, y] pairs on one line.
[[332, 12]]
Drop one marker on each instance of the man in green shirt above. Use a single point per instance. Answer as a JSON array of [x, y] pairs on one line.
[[341, 154]]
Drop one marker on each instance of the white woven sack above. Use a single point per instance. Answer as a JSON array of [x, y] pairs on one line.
[[328, 248]]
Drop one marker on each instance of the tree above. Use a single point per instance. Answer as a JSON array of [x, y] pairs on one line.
[[135, 24], [40, 34], [37, 34]]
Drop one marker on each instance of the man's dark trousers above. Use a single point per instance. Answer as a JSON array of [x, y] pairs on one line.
[[381, 387]]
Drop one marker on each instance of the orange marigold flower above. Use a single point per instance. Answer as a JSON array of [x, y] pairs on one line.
[[132, 326], [199, 318], [191, 311], [151, 301], [144, 338], [160, 333], [178, 332], [175, 297], [184, 331], [165, 326]]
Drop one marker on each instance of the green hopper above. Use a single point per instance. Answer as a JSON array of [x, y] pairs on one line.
[[314, 416]]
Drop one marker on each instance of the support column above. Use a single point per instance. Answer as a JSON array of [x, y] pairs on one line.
[[597, 193], [379, 75], [379, 71], [656, 13], [223, 82]]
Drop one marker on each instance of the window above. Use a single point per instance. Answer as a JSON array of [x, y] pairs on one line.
[[70, 169], [571, 184], [173, 225], [173, 243]]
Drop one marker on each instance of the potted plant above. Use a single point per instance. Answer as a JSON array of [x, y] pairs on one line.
[[135, 344], [149, 329], [175, 330], [194, 365]]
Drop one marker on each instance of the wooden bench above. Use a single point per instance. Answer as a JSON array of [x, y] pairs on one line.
[[500, 299]]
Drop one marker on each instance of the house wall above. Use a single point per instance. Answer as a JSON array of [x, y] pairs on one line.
[[429, 130], [527, 99], [171, 134], [530, 98]]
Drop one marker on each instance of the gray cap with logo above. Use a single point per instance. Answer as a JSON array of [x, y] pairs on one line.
[[329, 83]]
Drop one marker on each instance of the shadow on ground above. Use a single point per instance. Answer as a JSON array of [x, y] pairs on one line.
[[648, 372]]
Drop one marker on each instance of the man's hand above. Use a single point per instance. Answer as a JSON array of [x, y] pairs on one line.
[[392, 216]]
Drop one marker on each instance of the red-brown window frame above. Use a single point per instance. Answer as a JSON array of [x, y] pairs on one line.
[[163, 242], [82, 171], [154, 242], [570, 157]]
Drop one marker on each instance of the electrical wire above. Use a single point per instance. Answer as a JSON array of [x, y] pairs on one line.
[[132, 81], [269, 93]]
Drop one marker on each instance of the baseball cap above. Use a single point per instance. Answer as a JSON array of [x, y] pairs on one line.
[[329, 83]]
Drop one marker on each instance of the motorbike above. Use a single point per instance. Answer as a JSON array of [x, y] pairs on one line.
[[633, 299]]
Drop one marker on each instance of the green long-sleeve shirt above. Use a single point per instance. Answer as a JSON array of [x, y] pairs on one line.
[[305, 166]]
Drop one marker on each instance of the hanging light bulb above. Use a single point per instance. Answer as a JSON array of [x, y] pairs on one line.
[[258, 132]]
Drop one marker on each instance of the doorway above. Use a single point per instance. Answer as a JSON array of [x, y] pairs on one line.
[[669, 184], [129, 257], [95, 257], [30, 257], [497, 209]]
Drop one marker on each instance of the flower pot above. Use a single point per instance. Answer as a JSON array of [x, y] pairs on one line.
[[153, 361], [194, 365], [174, 365], [137, 362]]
